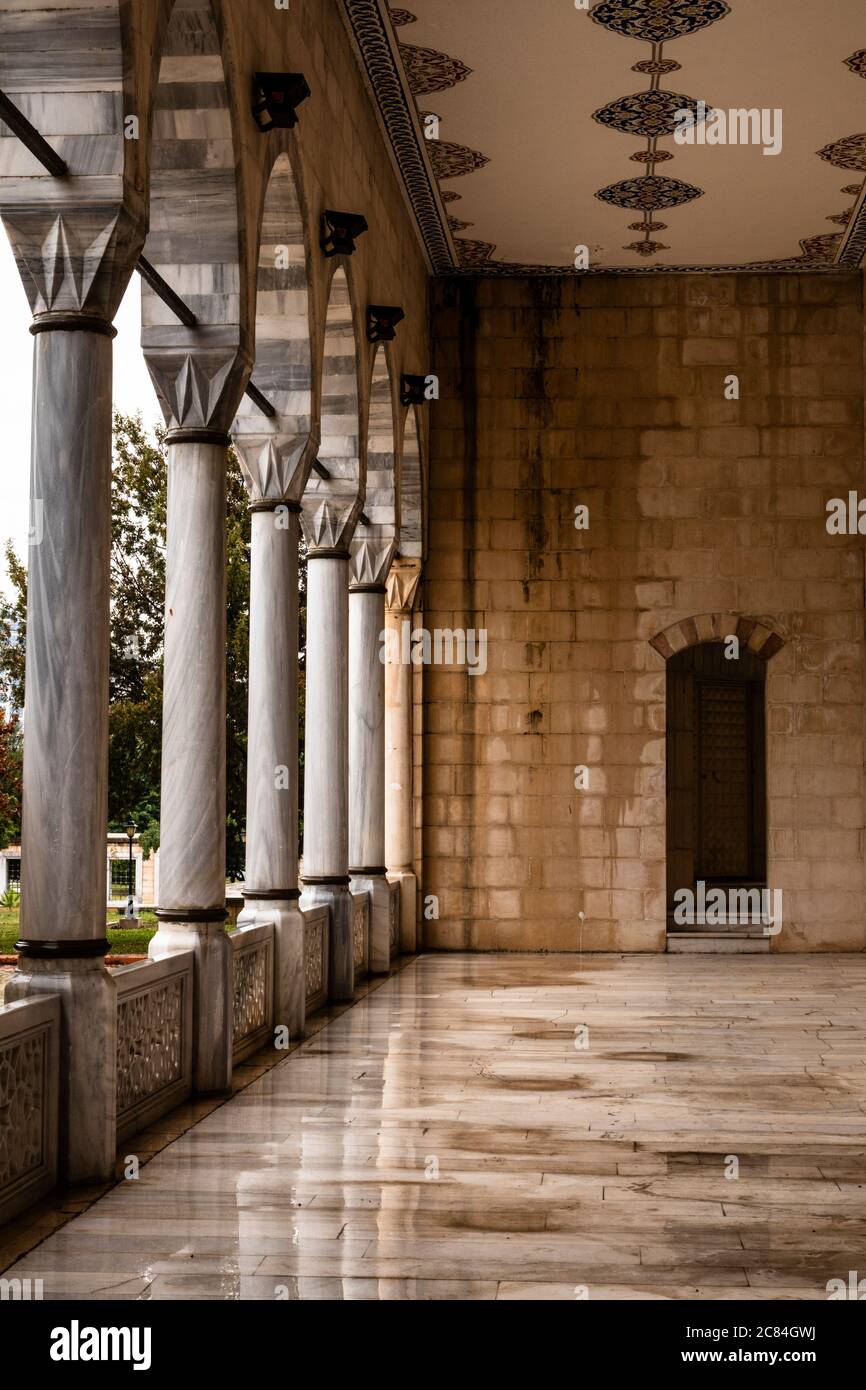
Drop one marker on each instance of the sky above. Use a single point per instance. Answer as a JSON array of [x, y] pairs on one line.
[[132, 391]]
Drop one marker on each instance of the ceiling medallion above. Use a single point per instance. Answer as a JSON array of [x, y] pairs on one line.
[[646, 248], [847, 153], [430, 71], [656, 67], [651, 156], [651, 113], [652, 191], [656, 21]]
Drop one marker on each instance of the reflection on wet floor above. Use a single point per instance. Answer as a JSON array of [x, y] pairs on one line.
[[519, 1127]]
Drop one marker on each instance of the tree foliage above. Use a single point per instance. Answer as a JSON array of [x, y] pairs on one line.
[[10, 780]]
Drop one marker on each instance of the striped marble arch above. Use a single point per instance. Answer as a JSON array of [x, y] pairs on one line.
[[411, 489], [276, 452], [194, 236], [378, 529], [75, 237], [335, 492]]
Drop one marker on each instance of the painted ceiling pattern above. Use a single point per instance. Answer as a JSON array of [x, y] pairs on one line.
[[652, 113], [678, 35]]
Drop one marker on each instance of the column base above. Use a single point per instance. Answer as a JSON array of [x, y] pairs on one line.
[[341, 953], [212, 1012], [380, 919], [88, 1058], [289, 964], [409, 942]]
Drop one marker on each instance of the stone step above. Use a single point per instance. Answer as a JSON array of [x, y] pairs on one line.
[[716, 943]]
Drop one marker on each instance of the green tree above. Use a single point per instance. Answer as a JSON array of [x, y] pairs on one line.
[[302, 682], [13, 632], [138, 512], [138, 503], [237, 660], [10, 780]]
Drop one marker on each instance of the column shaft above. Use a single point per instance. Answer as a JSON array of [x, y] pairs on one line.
[[367, 764], [272, 755], [326, 756], [271, 887], [399, 842], [192, 829], [65, 802], [399, 818], [63, 860], [193, 799]]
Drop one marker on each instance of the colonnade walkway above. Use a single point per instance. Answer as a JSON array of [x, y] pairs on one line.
[[518, 1127]]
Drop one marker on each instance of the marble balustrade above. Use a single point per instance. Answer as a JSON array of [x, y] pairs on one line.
[[29, 1101], [154, 1040]]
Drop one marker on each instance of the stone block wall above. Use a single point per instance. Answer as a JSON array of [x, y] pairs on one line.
[[610, 393]]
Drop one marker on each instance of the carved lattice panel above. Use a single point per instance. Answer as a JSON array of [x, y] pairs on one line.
[[314, 958], [251, 992], [359, 934], [149, 1043], [22, 1107]]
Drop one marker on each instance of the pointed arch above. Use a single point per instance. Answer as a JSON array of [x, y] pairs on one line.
[[381, 504], [335, 493], [272, 447], [411, 488]]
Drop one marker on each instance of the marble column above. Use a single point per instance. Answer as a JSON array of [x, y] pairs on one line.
[[402, 589], [370, 563], [65, 801], [192, 910], [275, 477], [326, 757]]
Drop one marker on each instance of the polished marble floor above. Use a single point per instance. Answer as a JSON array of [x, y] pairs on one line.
[[519, 1127]]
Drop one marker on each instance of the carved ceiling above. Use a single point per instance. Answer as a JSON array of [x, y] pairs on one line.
[[554, 127]]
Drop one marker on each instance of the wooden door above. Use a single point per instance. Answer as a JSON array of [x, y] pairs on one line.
[[716, 778], [724, 838]]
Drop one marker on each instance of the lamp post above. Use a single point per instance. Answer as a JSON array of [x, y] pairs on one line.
[[131, 828]]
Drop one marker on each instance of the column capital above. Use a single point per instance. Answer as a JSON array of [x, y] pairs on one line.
[[75, 261], [329, 522], [276, 465], [370, 558], [199, 375], [402, 585]]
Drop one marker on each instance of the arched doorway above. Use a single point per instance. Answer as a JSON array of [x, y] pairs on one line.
[[716, 770]]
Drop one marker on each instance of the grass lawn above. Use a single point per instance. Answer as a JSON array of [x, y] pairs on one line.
[[123, 941]]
